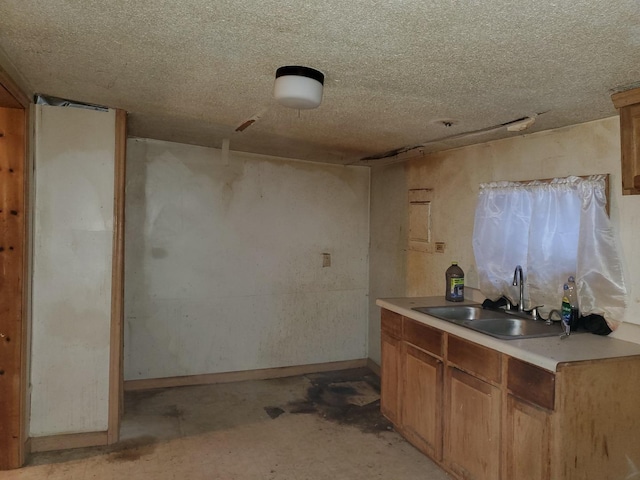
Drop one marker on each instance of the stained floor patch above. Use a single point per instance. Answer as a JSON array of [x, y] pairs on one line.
[[349, 397], [173, 411], [134, 449], [274, 412], [359, 393]]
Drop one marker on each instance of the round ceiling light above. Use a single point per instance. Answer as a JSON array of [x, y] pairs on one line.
[[298, 87]]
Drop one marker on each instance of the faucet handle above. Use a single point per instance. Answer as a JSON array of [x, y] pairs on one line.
[[508, 306], [534, 312], [550, 319]]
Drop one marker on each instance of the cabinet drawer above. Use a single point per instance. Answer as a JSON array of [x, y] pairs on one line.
[[474, 358], [423, 336], [531, 383], [391, 323]]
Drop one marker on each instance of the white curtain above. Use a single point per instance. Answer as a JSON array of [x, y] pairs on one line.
[[553, 230]]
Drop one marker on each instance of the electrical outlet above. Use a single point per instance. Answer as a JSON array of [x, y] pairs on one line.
[[440, 247], [326, 259]]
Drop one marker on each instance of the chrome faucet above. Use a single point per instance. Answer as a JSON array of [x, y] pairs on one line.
[[517, 280]]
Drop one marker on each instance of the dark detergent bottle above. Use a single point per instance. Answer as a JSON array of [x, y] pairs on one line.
[[455, 283]]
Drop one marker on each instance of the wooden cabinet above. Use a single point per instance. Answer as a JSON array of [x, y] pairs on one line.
[[480, 361], [421, 392], [422, 401], [472, 410], [423, 337], [628, 102], [390, 378], [472, 432], [527, 428], [596, 422], [411, 383], [482, 414], [391, 366], [527, 441], [448, 405]]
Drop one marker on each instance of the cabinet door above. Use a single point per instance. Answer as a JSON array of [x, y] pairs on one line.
[[527, 438], [390, 378], [421, 401], [472, 428], [630, 138]]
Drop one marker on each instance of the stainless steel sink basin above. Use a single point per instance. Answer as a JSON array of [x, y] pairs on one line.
[[508, 328], [499, 324], [459, 313]]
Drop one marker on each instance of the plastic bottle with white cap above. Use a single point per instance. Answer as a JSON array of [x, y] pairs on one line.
[[570, 311]]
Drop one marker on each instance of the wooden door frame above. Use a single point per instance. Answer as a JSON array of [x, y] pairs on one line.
[[115, 404], [14, 332], [116, 356], [14, 429]]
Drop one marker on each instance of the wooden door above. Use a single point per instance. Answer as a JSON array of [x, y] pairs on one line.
[[422, 401], [472, 427]]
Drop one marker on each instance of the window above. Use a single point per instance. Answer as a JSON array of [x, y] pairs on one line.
[[552, 229]]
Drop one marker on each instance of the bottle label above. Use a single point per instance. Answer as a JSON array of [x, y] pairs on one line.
[[566, 311], [457, 288]]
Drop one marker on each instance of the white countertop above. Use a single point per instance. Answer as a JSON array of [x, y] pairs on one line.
[[546, 352]]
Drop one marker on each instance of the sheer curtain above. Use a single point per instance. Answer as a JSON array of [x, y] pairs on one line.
[[553, 230]]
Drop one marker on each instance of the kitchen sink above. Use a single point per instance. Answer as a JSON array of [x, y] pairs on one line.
[[459, 313], [499, 324]]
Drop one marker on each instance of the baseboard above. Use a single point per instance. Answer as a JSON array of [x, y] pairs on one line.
[[373, 366], [227, 377], [69, 440]]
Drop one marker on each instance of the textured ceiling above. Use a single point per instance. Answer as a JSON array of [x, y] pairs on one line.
[[192, 70]]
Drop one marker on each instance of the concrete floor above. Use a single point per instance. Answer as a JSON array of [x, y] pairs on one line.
[[318, 426]]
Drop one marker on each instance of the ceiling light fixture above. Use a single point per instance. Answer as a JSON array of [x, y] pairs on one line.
[[298, 87]]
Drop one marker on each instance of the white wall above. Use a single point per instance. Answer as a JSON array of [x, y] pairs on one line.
[[454, 175], [223, 268], [73, 228], [387, 255]]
